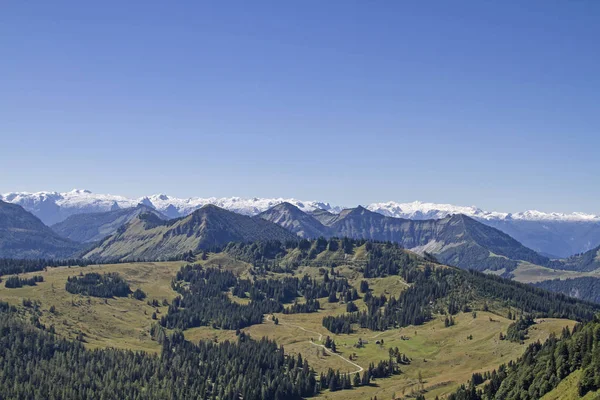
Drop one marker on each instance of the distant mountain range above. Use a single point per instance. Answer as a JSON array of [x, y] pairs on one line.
[[149, 237], [142, 232], [555, 235], [455, 240], [54, 207]]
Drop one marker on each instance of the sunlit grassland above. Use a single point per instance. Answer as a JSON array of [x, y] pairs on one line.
[[443, 357]]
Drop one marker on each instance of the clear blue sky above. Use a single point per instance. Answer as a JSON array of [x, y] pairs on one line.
[[492, 103]]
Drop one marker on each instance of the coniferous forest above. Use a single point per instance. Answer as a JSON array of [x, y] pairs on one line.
[[204, 299], [39, 365]]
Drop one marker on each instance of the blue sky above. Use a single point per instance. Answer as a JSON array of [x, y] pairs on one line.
[[468, 102]]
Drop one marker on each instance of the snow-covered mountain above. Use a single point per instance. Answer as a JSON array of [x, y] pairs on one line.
[[552, 234], [176, 207], [420, 210], [54, 207]]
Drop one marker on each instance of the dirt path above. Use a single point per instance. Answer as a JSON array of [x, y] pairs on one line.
[[360, 369]]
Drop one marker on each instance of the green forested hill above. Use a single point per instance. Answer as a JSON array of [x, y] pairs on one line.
[[585, 288], [434, 288], [588, 261]]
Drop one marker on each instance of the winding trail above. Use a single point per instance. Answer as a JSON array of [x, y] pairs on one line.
[[360, 369], [377, 335]]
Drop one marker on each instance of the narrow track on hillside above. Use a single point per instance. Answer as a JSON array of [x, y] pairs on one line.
[[360, 369]]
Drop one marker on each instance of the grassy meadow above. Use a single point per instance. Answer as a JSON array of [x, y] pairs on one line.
[[442, 358]]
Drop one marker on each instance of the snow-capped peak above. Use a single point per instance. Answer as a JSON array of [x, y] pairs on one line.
[[53, 207], [534, 215], [421, 210]]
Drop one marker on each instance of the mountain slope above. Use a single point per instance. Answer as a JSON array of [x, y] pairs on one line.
[[22, 235], [574, 356], [584, 288], [294, 220], [148, 237], [96, 226], [323, 216], [588, 261], [556, 234], [456, 240]]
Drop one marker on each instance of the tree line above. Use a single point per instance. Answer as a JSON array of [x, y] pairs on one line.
[[11, 266]]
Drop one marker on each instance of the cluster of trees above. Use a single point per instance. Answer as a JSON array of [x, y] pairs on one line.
[[517, 331], [340, 323], [48, 367], [286, 290], [542, 367], [303, 308], [400, 358], [17, 282], [11, 266], [98, 285], [333, 380], [330, 344]]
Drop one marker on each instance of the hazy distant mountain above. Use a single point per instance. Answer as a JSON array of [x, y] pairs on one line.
[[293, 219], [149, 237], [554, 234], [22, 235], [455, 240], [93, 227], [556, 239]]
